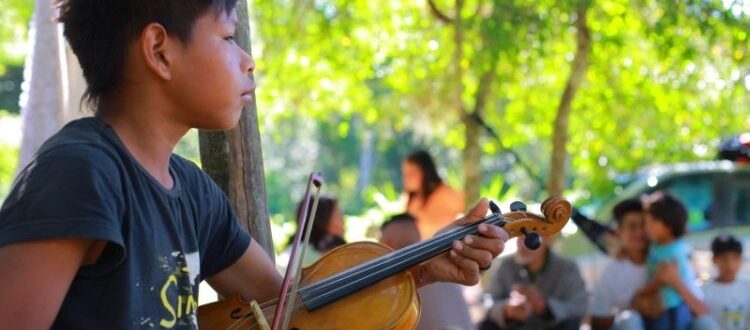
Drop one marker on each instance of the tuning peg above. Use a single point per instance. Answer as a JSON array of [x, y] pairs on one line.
[[517, 206], [531, 239], [494, 208]]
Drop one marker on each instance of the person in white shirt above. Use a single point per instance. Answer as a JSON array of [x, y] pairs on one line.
[[626, 272], [728, 297]]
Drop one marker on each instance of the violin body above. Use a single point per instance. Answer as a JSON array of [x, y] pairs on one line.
[[392, 303], [366, 285]]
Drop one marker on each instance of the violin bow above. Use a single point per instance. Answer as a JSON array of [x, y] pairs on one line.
[[295, 259]]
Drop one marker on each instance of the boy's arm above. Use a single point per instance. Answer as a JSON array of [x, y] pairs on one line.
[[651, 287], [36, 276], [602, 322], [253, 276], [669, 274]]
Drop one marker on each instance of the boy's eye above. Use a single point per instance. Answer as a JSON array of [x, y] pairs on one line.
[[229, 38]]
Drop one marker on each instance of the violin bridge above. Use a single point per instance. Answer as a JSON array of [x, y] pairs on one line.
[[259, 317]]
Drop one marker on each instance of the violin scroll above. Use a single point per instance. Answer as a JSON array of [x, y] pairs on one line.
[[519, 222]]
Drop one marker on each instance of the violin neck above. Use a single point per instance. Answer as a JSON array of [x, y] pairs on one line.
[[329, 290]]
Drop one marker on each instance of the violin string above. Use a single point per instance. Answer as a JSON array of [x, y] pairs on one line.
[[378, 263], [430, 244], [414, 250], [412, 253], [266, 306]]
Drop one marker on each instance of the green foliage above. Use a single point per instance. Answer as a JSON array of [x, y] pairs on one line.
[[10, 88], [349, 88], [9, 146], [666, 80], [8, 162], [14, 22]]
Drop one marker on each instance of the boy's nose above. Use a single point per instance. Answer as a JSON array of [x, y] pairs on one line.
[[249, 65]]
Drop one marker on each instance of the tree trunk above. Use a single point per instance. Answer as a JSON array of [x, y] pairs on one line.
[[556, 180], [472, 156], [235, 161], [474, 129], [42, 112]]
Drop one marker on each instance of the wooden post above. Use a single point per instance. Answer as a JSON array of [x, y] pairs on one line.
[[234, 159]]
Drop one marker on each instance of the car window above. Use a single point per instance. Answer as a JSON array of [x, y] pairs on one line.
[[696, 192], [742, 202]]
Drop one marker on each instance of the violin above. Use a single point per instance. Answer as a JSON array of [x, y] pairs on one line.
[[366, 285]]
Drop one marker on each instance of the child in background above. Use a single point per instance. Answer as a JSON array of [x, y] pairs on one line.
[[666, 218], [727, 297]]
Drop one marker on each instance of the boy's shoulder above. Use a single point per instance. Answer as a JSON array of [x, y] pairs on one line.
[[739, 285], [83, 139]]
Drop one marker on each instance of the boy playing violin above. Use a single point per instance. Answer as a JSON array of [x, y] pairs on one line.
[[106, 228]]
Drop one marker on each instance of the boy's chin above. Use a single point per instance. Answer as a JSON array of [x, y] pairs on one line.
[[220, 123]]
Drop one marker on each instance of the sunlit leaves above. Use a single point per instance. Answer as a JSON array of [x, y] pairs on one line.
[[666, 80]]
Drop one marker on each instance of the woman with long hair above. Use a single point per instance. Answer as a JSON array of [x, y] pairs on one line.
[[327, 231], [432, 202]]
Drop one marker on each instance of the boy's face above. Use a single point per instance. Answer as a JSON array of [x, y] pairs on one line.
[[211, 77], [657, 231], [631, 232], [728, 264], [399, 235]]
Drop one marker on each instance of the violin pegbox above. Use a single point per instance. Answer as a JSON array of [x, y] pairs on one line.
[[518, 221]]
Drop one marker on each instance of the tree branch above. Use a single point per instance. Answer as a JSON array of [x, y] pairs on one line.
[[438, 14], [529, 171]]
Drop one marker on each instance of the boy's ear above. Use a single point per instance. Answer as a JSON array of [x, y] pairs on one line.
[[154, 46]]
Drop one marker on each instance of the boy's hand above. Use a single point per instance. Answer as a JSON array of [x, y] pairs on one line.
[[464, 262], [648, 305]]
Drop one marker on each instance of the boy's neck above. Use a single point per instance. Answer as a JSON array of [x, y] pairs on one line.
[[666, 240], [147, 133], [725, 278], [637, 257]]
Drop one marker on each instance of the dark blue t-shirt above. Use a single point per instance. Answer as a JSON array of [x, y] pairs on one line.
[[161, 242]]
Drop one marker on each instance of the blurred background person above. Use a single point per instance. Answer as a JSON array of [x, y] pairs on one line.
[[443, 304], [327, 232], [668, 269], [536, 289], [728, 297], [626, 272], [432, 202]]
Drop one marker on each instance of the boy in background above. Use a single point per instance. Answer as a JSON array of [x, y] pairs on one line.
[[728, 297], [625, 273]]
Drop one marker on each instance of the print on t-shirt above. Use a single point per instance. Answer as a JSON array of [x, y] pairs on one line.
[[178, 293]]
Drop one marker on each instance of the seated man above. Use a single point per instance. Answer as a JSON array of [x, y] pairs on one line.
[[536, 289], [443, 304]]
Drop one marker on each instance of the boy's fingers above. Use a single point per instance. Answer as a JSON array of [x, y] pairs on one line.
[[482, 258], [491, 245], [469, 268]]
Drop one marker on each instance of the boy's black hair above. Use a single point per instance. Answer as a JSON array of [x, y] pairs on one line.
[[666, 208], [99, 32], [725, 243], [626, 206], [398, 218]]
